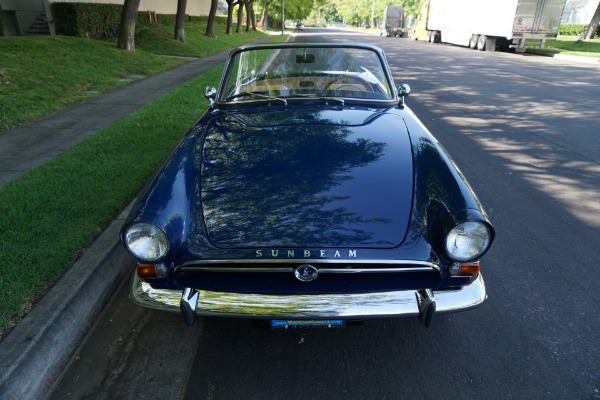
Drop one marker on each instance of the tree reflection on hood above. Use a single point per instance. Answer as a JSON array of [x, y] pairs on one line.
[[277, 186]]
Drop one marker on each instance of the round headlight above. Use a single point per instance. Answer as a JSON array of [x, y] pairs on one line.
[[146, 241], [468, 241]]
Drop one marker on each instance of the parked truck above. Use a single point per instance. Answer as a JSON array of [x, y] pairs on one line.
[[393, 22], [485, 24]]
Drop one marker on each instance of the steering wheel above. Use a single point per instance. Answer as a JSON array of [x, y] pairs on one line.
[[353, 86], [350, 85]]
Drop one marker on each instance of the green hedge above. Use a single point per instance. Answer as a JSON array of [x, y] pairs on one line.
[[91, 20], [1, 22], [142, 19], [102, 20], [572, 29], [575, 29]]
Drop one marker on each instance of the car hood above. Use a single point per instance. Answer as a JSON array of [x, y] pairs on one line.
[[306, 180]]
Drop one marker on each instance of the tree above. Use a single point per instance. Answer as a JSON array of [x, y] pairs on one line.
[[210, 25], [180, 21], [412, 7], [327, 12], [593, 26], [240, 14], [360, 10], [250, 18], [230, 5], [263, 17], [297, 10], [127, 27], [252, 15]]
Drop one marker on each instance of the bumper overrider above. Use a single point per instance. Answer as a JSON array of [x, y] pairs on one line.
[[420, 303]]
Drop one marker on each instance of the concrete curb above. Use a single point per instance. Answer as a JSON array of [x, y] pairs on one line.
[[577, 59], [33, 355]]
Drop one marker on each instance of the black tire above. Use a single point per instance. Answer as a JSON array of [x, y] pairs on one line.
[[503, 44], [481, 42], [473, 41], [437, 37]]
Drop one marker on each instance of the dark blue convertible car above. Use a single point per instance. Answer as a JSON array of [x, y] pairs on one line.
[[308, 194]]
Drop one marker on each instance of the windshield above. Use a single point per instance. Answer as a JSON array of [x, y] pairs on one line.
[[296, 72]]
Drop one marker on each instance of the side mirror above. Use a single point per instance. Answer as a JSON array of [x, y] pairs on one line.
[[403, 91], [210, 93]]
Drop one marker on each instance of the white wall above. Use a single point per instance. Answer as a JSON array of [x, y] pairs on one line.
[[579, 11]]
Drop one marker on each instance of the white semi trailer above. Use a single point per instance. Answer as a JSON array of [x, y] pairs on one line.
[[484, 24]]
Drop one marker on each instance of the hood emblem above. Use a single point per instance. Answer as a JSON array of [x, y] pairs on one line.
[[306, 273]]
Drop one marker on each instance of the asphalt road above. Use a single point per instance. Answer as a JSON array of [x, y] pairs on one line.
[[525, 130]]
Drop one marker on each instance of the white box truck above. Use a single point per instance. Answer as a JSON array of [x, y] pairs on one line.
[[485, 24]]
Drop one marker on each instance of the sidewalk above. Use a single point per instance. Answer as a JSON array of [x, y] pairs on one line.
[[35, 352]]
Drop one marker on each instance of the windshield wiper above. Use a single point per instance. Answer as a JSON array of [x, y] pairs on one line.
[[335, 99], [255, 94]]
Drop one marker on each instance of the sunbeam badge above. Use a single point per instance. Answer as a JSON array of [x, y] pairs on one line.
[[306, 273]]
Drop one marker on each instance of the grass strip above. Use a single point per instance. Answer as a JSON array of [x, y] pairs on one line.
[[158, 40], [572, 46], [55, 211], [41, 74]]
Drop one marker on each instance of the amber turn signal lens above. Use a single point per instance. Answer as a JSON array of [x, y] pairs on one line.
[[468, 269], [147, 271]]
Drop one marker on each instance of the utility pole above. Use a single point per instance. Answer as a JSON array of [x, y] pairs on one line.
[[283, 20], [372, 16]]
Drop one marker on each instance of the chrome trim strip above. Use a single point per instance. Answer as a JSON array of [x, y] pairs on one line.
[[398, 303], [321, 270], [426, 266], [311, 260], [375, 270], [236, 269]]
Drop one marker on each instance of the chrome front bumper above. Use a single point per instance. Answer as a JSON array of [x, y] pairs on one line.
[[401, 303]]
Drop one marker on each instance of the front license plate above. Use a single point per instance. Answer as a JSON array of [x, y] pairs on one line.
[[320, 323]]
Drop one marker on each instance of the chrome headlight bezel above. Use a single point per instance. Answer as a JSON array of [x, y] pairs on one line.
[[468, 240], [146, 241]]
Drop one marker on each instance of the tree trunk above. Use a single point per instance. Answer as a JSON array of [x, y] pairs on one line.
[[180, 21], [248, 16], [593, 26], [127, 27], [229, 17], [263, 17], [240, 16], [210, 26], [252, 15]]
